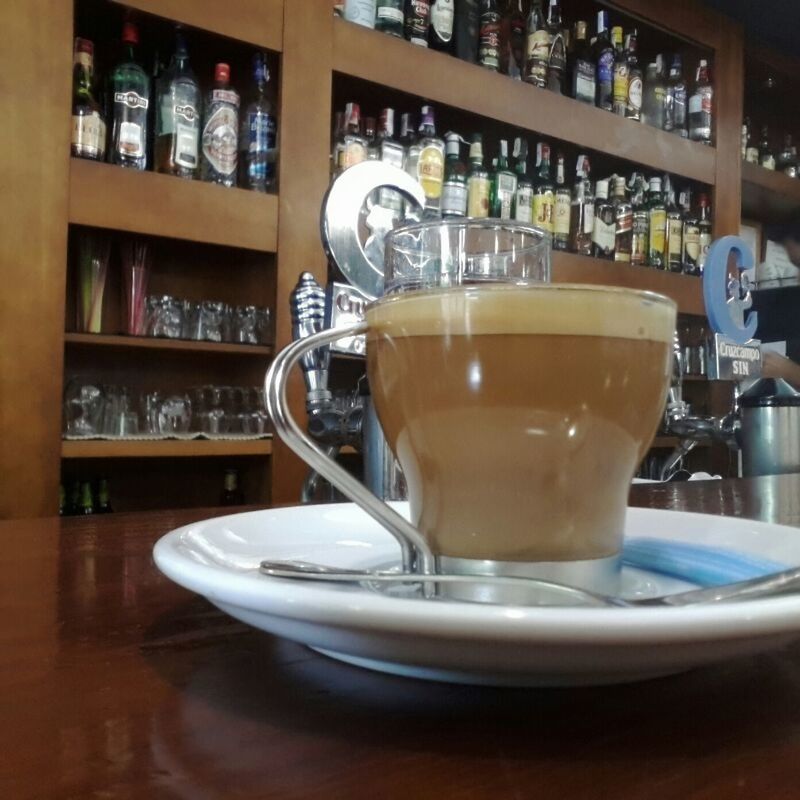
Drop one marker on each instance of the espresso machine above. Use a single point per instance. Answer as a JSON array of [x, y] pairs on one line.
[[360, 207]]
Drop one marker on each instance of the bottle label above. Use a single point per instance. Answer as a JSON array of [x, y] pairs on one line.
[[225, 96], [539, 44], [523, 204], [705, 243], [353, 152], [220, 140], [588, 218], [478, 196], [260, 130], [131, 100], [362, 12], [130, 141], [454, 199], [621, 88], [584, 81], [674, 240], [88, 135], [506, 190], [186, 142], [390, 14], [417, 22], [605, 68], [557, 56], [442, 16], [604, 235], [658, 229], [543, 204], [430, 169], [562, 214], [691, 244], [489, 40], [635, 94], [639, 241]]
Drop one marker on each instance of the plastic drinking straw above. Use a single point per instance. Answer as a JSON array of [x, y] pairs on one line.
[[136, 273], [94, 249]]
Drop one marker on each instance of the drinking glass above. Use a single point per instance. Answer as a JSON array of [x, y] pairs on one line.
[[212, 318], [166, 317], [245, 325], [136, 276], [83, 409], [175, 414]]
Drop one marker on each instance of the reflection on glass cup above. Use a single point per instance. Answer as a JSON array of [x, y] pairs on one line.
[[174, 414], [245, 325], [165, 317], [518, 410], [212, 320]]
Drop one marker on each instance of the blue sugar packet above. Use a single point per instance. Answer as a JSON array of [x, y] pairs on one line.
[[696, 563]]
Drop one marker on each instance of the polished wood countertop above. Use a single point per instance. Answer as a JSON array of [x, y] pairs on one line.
[[115, 683]]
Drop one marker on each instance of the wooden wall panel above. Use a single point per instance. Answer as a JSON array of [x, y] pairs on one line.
[[35, 80], [305, 143]]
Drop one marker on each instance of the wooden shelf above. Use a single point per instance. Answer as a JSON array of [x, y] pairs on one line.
[[259, 22], [768, 195], [151, 343], [165, 448], [107, 196], [375, 57], [685, 290]]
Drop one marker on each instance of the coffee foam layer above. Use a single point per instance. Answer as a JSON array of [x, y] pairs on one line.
[[555, 309]]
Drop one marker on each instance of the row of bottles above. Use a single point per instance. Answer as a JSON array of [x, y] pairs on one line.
[[193, 136], [635, 220], [762, 152], [528, 44]]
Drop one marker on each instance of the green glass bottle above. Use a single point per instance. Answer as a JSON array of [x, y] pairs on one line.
[[103, 497], [87, 500], [504, 186]]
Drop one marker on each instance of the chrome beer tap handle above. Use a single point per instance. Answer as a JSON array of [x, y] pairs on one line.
[[676, 407], [307, 304]]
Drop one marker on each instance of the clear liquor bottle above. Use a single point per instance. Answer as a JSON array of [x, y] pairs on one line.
[[623, 221], [88, 136], [221, 130], [673, 242], [582, 214], [478, 182], [389, 17], [653, 102], [371, 135], [658, 224], [766, 155], [604, 235], [675, 100], [539, 42], [417, 21], [544, 193], [504, 186], [430, 163], [258, 135], [787, 158], [337, 136], [454, 191], [603, 55], [353, 147], [640, 238], [557, 57], [582, 67], [704, 225], [701, 106], [751, 150], [178, 112], [390, 151], [523, 201], [130, 98], [562, 208], [633, 108]]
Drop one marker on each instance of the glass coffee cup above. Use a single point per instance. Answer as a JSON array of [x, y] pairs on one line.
[[519, 410]]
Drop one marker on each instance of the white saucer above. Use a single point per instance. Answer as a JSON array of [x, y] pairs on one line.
[[466, 642]]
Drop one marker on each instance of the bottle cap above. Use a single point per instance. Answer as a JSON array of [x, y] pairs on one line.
[[222, 73], [476, 148], [427, 117], [601, 189], [520, 148], [130, 33], [352, 114], [452, 144], [504, 148], [84, 46]]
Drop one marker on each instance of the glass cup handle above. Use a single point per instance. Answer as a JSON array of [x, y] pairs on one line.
[[417, 556]]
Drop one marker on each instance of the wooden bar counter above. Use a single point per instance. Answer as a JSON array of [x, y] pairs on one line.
[[115, 683]]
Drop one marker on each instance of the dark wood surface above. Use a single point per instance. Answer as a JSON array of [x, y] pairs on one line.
[[115, 683]]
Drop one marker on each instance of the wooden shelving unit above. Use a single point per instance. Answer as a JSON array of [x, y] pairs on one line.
[[194, 448], [180, 345], [106, 196], [767, 195]]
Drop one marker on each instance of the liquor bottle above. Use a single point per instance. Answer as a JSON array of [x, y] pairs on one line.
[[641, 221], [562, 208], [701, 106], [523, 202], [658, 225], [430, 164], [221, 130], [103, 498], [467, 30], [478, 182], [178, 116], [62, 501], [504, 186], [557, 57], [787, 158], [539, 42], [417, 21], [257, 138], [633, 109], [544, 193], [454, 190], [603, 56], [88, 138], [654, 100], [514, 21], [604, 234], [337, 136], [440, 33], [87, 501], [130, 97], [623, 221], [582, 68], [621, 74], [231, 493], [691, 244], [675, 118], [751, 150], [362, 12], [673, 241], [766, 157], [745, 137], [489, 35], [389, 17], [391, 152], [704, 224], [353, 147], [74, 502], [582, 214], [370, 134]]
